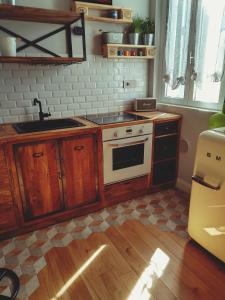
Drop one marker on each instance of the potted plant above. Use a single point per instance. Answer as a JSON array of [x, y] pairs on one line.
[[148, 28], [135, 30]]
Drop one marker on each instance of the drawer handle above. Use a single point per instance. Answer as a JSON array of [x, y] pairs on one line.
[[78, 148], [38, 154]]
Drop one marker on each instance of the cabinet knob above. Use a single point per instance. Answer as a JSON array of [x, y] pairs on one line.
[[37, 154], [78, 148]]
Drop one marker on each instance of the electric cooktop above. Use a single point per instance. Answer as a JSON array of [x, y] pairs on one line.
[[111, 118]]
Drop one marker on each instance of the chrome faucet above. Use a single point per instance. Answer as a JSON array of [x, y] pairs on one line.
[[42, 115]]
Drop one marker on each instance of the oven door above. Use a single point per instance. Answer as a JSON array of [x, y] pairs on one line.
[[127, 158]]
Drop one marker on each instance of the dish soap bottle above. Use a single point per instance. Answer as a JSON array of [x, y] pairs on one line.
[[218, 120]]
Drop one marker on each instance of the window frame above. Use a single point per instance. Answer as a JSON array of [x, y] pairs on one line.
[[161, 25]]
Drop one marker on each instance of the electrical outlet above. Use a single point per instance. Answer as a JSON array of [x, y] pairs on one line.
[[129, 84]]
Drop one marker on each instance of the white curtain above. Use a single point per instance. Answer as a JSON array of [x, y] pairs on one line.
[[210, 41], [178, 25]]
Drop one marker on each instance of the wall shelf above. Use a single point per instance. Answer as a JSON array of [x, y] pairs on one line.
[[48, 16], [125, 14], [111, 51], [40, 15], [40, 60]]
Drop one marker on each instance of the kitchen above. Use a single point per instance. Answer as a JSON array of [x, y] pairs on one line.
[[95, 202]]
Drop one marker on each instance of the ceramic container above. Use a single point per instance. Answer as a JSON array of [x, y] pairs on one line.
[[112, 37], [8, 46]]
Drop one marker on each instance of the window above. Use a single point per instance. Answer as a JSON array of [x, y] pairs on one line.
[[192, 71]]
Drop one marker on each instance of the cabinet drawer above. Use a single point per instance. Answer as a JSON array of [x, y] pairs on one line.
[[165, 147], [126, 189], [166, 128], [164, 172]]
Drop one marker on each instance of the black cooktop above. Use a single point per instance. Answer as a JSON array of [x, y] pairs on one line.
[[110, 118]]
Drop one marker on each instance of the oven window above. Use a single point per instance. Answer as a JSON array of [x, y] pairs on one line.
[[129, 156]]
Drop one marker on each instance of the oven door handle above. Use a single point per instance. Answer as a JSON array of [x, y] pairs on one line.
[[128, 144]]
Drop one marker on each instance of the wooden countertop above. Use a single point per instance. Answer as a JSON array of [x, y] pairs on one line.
[[9, 134], [157, 116]]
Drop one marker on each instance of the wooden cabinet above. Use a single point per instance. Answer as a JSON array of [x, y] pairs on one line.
[[79, 169], [165, 157], [39, 178], [7, 215], [57, 175]]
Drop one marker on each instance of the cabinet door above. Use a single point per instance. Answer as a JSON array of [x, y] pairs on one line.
[[164, 172], [165, 147], [7, 216], [79, 165], [39, 176]]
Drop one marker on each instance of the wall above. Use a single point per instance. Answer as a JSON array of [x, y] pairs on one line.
[[194, 121], [95, 86]]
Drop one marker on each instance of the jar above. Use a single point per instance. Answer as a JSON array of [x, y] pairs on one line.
[[113, 14], [126, 53]]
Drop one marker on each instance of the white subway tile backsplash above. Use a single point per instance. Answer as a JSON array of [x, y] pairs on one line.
[[61, 107], [73, 106], [66, 100], [72, 93], [52, 101], [17, 111], [8, 104], [24, 103], [22, 88], [51, 87], [6, 88], [85, 92], [37, 87], [95, 86]]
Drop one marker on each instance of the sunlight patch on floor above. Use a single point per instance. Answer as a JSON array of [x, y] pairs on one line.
[[78, 273], [157, 265]]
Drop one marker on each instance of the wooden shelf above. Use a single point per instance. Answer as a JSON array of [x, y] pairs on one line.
[[40, 60], [39, 15], [111, 51], [105, 20], [125, 14]]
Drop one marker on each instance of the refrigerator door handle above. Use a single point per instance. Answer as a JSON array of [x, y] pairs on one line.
[[201, 181]]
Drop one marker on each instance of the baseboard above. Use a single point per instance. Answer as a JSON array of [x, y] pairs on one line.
[[183, 185]]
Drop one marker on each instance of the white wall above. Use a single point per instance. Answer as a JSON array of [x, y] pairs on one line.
[[91, 87], [194, 121]]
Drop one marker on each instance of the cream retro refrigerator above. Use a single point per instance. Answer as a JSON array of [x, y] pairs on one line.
[[207, 206]]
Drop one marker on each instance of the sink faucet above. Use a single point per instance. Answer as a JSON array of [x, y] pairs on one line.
[[42, 115]]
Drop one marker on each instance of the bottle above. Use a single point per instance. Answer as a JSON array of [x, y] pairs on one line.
[[218, 120]]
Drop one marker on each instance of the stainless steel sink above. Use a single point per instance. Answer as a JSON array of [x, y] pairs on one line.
[[35, 126]]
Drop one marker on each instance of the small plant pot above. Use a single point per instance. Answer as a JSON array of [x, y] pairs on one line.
[[149, 39], [134, 38], [8, 46]]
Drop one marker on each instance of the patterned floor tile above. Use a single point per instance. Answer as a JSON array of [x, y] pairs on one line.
[[26, 254]]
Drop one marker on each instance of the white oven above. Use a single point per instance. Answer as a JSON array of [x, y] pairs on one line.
[[127, 152]]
